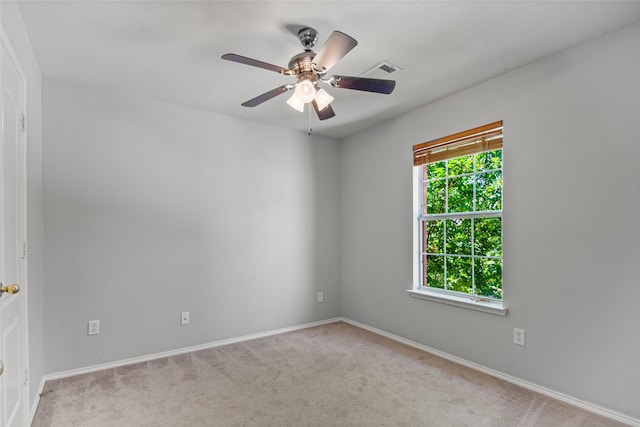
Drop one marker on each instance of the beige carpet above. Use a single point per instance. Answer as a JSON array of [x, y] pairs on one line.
[[331, 375]]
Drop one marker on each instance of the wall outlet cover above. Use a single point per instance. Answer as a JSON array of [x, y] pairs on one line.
[[518, 336], [184, 318], [93, 327]]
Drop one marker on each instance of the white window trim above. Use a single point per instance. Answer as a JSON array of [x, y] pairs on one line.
[[472, 302]]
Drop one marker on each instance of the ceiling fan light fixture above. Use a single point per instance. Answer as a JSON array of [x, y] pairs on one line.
[[323, 99], [295, 103], [305, 91], [309, 69]]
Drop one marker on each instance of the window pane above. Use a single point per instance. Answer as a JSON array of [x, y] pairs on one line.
[[459, 274], [433, 236], [488, 277], [434, 271], [436, 170], [461, 194], [488, 236], [459, 236], [489, 191], [489, 160], [435, 196], [461, 165]]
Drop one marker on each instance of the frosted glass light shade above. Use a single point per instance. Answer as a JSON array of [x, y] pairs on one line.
[[323, 99], [305, 91], [294, 102]]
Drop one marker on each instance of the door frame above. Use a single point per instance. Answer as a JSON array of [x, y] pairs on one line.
[[22, 230]]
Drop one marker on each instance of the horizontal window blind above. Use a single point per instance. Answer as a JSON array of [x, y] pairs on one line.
[[476, 140]]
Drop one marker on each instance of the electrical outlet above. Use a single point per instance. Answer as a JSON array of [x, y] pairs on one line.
[[320, 296], [93, 327], [184, 318], [518, 336]]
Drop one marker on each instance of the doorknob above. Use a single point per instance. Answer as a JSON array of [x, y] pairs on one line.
[[1, 367], [11, 289]]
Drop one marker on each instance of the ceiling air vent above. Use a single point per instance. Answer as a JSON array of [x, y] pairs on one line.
[[383, 70]]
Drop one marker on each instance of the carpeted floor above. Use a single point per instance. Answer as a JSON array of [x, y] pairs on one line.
[[331, 375]]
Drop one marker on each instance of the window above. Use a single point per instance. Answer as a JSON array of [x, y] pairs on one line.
[[459, 214]]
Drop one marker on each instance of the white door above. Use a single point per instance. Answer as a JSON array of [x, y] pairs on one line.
[[13, 349]]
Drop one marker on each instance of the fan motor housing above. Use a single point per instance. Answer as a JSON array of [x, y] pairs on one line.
[[301, 64]]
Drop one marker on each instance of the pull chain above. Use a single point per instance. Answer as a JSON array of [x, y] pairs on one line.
[[309, 110]]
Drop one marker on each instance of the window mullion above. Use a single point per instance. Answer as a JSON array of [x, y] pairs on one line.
[[473, 258], [444, 221], [473, 238], [463, 215]]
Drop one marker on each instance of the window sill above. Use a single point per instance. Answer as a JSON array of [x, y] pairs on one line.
[[484, 306]]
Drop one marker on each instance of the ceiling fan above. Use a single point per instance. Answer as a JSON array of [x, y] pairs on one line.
[[309, 69]]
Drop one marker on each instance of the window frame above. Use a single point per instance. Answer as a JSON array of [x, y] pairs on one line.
[[422, 155]]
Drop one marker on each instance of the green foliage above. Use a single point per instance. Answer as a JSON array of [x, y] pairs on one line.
[[489, 191], [436, 196], [488, 277], [433, 236], [458, 236], [488, 236], [489, 160], [436, 170], [459, 274], [434, 271], [472, 266], [460, 165], [461, 194]]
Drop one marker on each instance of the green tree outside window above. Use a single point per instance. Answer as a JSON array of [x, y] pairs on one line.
[[462, 224]]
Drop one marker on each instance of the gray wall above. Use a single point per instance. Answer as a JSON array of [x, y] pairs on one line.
[[14, 28], [152, 209], [571, 224]]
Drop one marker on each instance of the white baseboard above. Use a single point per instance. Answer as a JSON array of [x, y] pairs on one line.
[[36, 400], [517, 381], [154, 356]]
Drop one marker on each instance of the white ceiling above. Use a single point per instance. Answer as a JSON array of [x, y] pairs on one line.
[[170, 50]]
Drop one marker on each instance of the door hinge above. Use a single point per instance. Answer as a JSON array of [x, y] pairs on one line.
[[26, 377], [24, 250], [24, 122]]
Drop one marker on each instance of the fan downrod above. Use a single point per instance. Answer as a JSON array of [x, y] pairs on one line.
[[308, 37]]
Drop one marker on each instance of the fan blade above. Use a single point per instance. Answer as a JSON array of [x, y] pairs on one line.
[[267, 96], [255, 63], [337, 45], [363, 83], [325, 113]]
